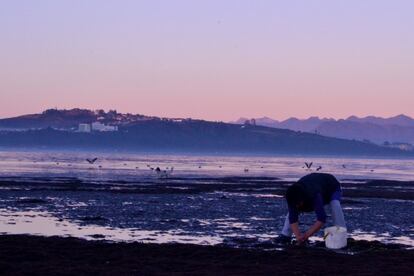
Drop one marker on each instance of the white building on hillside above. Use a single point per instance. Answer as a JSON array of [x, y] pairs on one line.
[[84, 128], [97, 126]]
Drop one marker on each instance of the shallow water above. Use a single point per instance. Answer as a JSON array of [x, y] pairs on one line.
[[113, 166]]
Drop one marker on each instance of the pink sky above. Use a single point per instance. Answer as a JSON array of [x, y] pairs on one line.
[[216, 61]]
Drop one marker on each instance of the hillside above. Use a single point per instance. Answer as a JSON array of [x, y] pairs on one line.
[[67, 119], [194, 136]]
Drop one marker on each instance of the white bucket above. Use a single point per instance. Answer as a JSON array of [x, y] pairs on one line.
[[335, 237]]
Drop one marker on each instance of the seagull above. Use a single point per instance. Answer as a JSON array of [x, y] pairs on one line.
[[343, 166], [246, 170], [319, 168], [309, 165], [91, 161]]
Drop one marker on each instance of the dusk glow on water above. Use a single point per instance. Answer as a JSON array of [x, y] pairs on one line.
[[113, 166]]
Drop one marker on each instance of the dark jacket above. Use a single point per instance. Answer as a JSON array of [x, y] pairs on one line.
[[319, 189]]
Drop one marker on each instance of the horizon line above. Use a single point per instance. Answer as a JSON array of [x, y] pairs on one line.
[[229, 121]]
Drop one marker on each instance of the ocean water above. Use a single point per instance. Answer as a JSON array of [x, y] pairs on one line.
[[115, 166]]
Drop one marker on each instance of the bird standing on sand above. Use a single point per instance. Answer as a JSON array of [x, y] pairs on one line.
[[164, 173]]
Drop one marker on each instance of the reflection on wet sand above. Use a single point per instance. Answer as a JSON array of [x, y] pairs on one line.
[[45, 224], [42, 223], [382, 237]]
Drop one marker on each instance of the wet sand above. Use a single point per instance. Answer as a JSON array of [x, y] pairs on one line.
[[23, 254], [363, 188], [29, 255]]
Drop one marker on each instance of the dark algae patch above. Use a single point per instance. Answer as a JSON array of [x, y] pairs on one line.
[[29, 255], [29, 201]]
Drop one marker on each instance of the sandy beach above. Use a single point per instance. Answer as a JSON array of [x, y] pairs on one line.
[[28, 255]]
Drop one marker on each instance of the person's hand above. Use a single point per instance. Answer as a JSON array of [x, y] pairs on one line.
[[300, 239], [305, 237]]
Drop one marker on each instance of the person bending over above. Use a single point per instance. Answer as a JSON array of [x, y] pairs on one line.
[[310, 194]]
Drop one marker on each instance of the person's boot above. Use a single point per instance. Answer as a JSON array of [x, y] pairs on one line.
[[283, 240]]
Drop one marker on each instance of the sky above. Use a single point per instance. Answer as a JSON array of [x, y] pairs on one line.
[[215, 60]]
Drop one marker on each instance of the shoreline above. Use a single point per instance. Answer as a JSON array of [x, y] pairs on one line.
[[23, 254], [163, 153]]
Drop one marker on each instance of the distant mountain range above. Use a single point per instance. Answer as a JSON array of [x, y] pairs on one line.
[[398, 129], [56, 129]]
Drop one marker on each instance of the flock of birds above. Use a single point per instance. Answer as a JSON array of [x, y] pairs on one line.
[[168, 171]]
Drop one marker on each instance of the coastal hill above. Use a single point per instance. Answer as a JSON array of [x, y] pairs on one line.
[[57, 130], [67, 119], [398, 129]]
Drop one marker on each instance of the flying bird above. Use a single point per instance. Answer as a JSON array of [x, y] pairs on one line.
[[91, 161], [309, 165], [319, 168]]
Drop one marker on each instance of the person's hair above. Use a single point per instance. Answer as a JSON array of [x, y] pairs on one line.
[[295, 195]]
